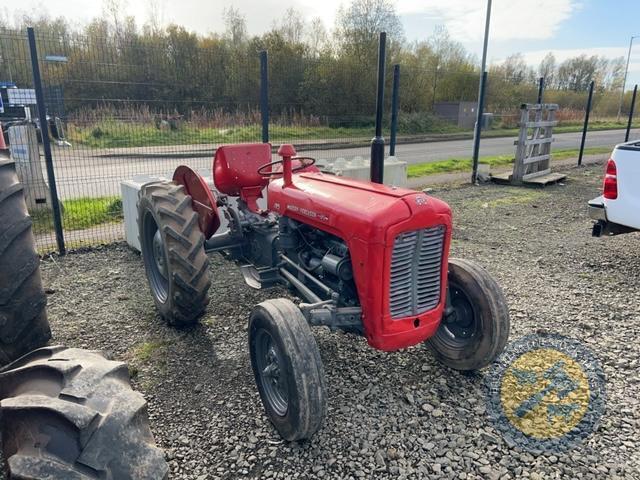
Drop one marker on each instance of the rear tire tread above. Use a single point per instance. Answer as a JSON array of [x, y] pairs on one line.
[[188, 263], [92, 416], [23, 319]]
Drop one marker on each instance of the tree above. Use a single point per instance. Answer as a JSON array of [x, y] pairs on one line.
[[316, 36], [291, 26], [515, 70], [358, 26], [576, 73], [155, 12], [236, 25], [614, 74], [547, 69]]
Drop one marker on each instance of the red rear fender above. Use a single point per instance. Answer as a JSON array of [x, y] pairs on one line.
[[203, 200]]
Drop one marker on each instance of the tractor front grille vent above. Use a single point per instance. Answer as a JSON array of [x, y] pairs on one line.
[[416, 265]]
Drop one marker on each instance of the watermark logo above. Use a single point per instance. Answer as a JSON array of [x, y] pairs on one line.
[[546, 392]]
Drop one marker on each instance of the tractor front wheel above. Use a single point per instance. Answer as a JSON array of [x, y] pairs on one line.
[[475, 325], [172, 248], [287, 368]]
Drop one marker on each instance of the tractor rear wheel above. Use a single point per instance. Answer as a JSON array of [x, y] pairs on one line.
[[288, 369], [172, 247], [475, 325], [23, 319], [70, 413]]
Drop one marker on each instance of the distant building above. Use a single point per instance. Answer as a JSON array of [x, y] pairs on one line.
[[462, 114]]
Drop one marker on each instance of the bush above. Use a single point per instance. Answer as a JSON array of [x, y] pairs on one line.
[[423, 122], [114, 209], [97, 133]]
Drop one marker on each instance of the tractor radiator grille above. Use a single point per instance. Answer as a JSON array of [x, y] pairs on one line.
[[416, 266]]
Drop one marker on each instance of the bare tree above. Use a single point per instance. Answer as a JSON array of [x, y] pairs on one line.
[[614, 74], [316, 36], [515, 70], [291, 26], [576, 73], [156, 12], [547, 69], [359, 24], [236, 25], [114, 12]]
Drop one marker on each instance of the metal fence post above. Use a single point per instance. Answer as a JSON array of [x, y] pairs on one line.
[[394, 110], [264, 95], [633, 106], [586, 122], [478, 129], [377, 143], [46, 144], [540, 90]]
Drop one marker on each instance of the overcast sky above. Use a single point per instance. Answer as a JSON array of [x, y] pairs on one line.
[[532, 27]]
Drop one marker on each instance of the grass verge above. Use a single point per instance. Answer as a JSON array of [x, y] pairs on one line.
[[114, 134], [80, 213], [464, 164]]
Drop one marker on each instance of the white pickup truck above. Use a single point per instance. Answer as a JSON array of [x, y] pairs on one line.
[[617, 210]]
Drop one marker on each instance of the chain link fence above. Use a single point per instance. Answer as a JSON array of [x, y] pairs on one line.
[[120, 107]]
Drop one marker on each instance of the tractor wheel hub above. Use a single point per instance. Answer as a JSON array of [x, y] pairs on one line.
[[158, 254]]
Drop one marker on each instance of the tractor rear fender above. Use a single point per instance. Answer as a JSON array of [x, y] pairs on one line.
[[203, 199]]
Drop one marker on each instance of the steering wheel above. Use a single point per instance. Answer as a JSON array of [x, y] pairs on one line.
[[304, 163]]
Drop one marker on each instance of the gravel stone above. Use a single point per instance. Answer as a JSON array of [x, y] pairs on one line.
[[206, 413]]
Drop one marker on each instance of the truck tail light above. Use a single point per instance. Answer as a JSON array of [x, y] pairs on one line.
[[610, 186]]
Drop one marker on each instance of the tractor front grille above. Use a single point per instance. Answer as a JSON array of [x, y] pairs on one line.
[[416, 265]]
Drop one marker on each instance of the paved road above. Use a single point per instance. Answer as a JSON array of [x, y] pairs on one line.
[[82, 173]]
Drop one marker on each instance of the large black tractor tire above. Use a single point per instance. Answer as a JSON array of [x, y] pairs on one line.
[[23, 319], [476, 329], [172, 247], [71, 414], [287, 367]]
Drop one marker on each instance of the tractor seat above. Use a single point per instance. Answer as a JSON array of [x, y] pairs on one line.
[[235, 171]]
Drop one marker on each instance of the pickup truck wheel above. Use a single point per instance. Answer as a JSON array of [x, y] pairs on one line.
[[70, 414], [172, 245], [475, 326], [23, 319], [287, 368]]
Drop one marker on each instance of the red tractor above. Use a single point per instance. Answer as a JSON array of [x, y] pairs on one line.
[[363, 257]]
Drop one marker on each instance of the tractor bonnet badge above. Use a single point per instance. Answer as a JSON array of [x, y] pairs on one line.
[[546, 392], [421, 200]]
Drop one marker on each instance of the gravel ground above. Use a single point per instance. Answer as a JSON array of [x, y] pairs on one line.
[[391, 415]]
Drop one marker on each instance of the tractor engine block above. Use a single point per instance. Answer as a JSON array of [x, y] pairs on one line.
[[323, 255]]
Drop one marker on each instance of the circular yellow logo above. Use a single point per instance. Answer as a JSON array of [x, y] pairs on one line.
[[546, 391]]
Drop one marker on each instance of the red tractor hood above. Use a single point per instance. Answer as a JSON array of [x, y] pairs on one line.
[[368, 217], [348, 208]]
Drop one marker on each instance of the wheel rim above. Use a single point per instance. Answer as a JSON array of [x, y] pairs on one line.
[[155, 258], [460, 327], [270, 363]]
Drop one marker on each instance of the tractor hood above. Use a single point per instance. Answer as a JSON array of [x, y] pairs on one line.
[[351, 208]]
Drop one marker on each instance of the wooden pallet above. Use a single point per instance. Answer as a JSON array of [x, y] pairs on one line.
[[532, 163], [538, 180]]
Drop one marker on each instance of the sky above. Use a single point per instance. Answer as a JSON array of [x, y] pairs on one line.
[[531, 27]]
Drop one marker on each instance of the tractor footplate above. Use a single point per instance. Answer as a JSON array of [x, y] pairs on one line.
[[260, 278]]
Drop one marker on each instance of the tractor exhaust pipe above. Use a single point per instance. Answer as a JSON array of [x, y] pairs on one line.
[[377, 144]]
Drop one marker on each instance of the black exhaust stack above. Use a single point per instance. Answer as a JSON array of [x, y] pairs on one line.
[[377, 144]]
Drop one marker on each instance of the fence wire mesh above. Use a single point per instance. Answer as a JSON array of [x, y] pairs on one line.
[[121, 106]]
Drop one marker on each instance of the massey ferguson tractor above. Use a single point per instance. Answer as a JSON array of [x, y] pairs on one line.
[[360, 256]]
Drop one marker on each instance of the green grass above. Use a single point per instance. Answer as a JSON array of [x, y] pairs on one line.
[[464, 164], [146, 351], [119, 134], [80, 213], [113, 134], [566, 127]]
